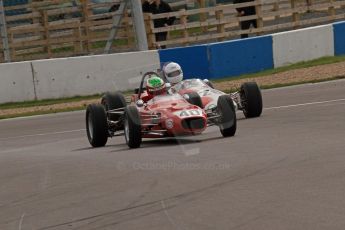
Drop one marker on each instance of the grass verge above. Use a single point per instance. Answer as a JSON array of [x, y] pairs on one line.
[[70, 109], [320, 61], [299, 65], [26, 104], [279, 85], [42, 112]]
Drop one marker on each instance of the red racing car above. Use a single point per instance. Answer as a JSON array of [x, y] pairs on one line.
[[165, 115]]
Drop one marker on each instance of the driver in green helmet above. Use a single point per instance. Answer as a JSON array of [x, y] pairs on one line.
[[155, 86]]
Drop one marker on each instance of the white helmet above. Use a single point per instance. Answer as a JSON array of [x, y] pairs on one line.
[[173, 72]]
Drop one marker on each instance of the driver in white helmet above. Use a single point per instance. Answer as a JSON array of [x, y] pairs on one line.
[[172, 73]]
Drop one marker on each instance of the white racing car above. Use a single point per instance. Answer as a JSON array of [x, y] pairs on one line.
[[248, 99]]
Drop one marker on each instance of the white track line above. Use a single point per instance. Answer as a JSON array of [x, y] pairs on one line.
[[21, 222], [269, 108], [44, 134], [304, 104], [40, 115], [172, 222]]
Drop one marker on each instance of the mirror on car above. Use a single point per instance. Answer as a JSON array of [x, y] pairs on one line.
[[186, 96], [140, 103]]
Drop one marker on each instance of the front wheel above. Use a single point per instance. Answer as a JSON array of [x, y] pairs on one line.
[[227, 116], [251, 99], [96, 125], [132, 127]]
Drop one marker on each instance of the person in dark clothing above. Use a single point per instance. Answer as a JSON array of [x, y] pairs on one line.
[[246, 11], [159, 7]]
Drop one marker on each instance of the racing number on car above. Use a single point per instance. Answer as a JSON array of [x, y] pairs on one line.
[[187, 113]]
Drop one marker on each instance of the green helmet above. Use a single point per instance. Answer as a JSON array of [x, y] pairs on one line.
[[155, 86]]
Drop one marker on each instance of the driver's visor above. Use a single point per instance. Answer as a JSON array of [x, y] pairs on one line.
[[174, 73]]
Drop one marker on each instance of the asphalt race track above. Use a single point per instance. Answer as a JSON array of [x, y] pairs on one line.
[[284, 170]]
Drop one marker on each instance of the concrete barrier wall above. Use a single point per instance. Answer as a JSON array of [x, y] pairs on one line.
[[238, 57], [16, 82], [234, 58], [194, 60], [302, 45], [69, 77], [218, 60], [339, 38]]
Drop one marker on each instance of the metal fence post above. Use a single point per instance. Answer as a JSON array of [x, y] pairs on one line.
[[116, 23], [3, 30], [139, 25]]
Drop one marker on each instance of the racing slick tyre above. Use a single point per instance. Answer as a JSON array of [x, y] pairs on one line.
[[96, 125], [113, 100], [194, 99], [251, 99], [132, 127], [227, 116]]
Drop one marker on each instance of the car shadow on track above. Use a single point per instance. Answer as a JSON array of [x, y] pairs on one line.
[[160, 142], [92, 148], [165, 142]]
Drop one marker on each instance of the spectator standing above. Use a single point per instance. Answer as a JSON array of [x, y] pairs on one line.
[[246, 11], [159, 7]]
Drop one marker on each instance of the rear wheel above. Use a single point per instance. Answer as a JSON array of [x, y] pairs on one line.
[[194, 98], [111, 101], [132, 127], [96, 125], [227, 120], [251, 99]]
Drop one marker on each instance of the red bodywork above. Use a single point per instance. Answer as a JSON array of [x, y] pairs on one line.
[[170, 115]]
